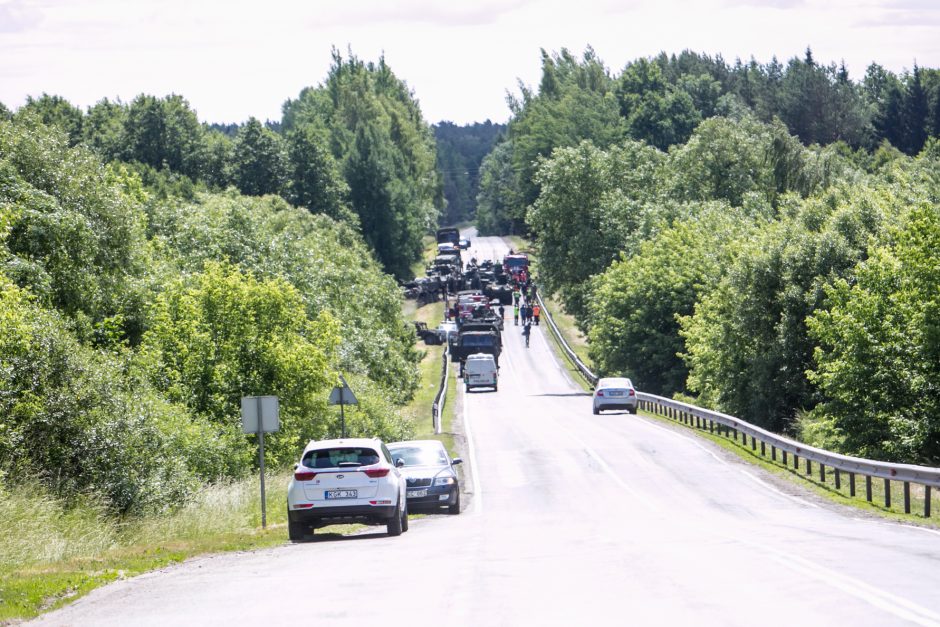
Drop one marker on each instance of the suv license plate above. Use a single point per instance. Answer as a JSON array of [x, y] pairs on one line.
[[417, 493], [341, 494]]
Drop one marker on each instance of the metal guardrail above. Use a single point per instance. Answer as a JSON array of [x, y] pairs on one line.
[[706, 419], [438, 407]]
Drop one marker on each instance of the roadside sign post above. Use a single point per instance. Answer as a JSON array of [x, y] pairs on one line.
[[261, 414], [342, 395]]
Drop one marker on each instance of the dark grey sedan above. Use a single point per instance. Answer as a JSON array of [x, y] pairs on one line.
[[430, 475]]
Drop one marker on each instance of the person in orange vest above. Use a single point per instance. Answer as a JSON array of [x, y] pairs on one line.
[[536, 310]]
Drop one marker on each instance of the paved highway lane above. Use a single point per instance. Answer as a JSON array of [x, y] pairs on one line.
[[574, 519]]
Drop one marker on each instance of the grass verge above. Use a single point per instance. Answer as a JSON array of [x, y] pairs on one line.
[[52, 553]]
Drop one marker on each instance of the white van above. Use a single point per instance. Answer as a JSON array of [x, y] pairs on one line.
[[480, 371]]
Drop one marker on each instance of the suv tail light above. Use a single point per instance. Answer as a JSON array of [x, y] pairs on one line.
[[304, 475], [375, 473]]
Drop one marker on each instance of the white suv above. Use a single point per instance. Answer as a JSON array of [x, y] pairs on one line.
[[342, 481]]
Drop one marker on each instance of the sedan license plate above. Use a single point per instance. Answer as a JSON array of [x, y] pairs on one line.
[[417, 493], [616, 393], [341, 494]]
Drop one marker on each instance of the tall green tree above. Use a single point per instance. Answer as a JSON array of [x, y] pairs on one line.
[[878, 359], [385, 149], [259, 160], [316, 181], [56, 111]]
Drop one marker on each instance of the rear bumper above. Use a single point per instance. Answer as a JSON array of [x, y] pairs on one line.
[[320, 516], [618, 404]]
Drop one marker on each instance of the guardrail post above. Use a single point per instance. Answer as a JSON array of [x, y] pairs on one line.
[[711, 426], [809, 466], [773, 453], [763, 449], [796, 462], [838, 479], [868, 488], [887, 493], [822, 473], [907, 497], [735, 434], [784, 457], [851, 484], [926, 501], [753, 443]]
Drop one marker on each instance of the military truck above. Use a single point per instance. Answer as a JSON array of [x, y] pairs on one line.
[[472, 342], [449, 234]]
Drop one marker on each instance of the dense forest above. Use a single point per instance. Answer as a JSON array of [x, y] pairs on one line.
[[460, 153], [153, 270], [354, 148], [760, 238]]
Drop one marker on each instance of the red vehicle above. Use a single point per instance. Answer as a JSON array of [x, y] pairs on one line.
[[516, 264]]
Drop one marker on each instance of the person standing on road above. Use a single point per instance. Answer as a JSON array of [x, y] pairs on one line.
[[536, 311], [526, 332], [515, 314]]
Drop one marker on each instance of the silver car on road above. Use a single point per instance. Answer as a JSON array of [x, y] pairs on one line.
[[614, 393]]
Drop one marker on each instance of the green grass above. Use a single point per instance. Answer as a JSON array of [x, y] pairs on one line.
[[52, 553], [827, 488], [569, 330]]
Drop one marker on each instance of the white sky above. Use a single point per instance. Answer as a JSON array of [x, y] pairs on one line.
[[236, 58]]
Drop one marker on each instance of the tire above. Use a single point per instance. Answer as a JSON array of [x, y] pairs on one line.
[[394, 523], [295, 531], [596, 411], [454, 509], [404, 519], [632, 410], [496, 388]]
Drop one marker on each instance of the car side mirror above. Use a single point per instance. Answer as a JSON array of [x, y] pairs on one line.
[[399, 463], [456, 461]]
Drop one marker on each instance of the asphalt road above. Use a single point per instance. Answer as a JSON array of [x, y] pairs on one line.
[[570, 519]]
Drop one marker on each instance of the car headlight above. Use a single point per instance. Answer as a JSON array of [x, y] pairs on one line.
[[444, 481]]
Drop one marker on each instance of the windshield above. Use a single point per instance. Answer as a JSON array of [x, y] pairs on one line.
[[340, 456], [477, 340], [419, 456]]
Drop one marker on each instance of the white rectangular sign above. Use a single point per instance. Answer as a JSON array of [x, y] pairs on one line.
[[270, 414]]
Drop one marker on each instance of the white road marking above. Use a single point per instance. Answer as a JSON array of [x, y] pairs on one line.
[[472, 452], [747, 474], [891, 603]]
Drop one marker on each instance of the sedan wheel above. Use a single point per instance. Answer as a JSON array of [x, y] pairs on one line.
[[455, 508]]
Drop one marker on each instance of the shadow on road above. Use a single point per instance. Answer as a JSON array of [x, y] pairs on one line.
[[567, 394]]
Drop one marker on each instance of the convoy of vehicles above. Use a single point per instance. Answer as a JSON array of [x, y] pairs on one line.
[[362, 480]]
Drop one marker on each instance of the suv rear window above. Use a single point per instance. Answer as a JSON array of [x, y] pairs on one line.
[[340, 457]]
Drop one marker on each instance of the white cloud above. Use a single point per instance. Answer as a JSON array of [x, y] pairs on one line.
[[237, 58]]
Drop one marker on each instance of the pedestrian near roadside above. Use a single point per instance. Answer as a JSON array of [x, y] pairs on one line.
[[502, 313], [536, 311], [515, 314]]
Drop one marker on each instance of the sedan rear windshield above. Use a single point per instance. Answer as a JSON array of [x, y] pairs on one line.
[[340, 457], [417, 456]]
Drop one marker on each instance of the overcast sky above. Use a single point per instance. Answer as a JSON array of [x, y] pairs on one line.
[[236, 58]]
